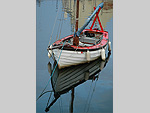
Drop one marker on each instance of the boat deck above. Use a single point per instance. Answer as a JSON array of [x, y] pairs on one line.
[[89, 39], [86, 39]]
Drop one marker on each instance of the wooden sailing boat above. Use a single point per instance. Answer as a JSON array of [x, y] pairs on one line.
[[84, 45], [67, 79]]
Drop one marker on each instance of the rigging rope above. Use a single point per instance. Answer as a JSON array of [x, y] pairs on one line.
[[52, 72], [54, 25], [88, 96], [61, 27], [91, 97]]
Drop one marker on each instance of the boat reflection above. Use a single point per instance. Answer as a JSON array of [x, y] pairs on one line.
[[67, 79]]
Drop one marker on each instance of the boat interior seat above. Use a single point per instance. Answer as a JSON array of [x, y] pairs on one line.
[[90, 40]]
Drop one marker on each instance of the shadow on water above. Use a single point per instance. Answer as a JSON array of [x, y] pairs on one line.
[[67, 79]]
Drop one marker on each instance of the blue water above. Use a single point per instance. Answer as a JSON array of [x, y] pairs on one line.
[[90, 96]]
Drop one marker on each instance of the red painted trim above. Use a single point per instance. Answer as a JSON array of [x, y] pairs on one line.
[[100, 23], [102, 43], [97, 17]]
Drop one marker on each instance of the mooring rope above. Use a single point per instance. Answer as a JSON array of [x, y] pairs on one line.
[[49, 99], [43, 94], [53, 71]]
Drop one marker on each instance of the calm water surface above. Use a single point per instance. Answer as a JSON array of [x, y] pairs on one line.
[[74, 90]]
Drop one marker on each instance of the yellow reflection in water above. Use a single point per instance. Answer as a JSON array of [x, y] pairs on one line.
[[85, 10]]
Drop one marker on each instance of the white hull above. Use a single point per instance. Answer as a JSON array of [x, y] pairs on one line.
[[67, 58]]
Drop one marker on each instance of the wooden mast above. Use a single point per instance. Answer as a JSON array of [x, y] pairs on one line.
[[76, 38], [72, 99]]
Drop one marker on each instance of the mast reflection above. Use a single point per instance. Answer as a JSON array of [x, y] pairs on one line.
[[65, 80]]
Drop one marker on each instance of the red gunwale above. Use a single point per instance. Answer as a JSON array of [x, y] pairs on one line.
[[99, 45]]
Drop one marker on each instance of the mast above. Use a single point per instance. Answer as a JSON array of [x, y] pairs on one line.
[[76, 38], [72, 99], [77, 15]]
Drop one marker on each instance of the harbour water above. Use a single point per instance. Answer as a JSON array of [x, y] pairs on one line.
[[80, 94]]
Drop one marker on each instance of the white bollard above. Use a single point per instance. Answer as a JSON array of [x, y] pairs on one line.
[[49, 68], [86, 75], [109, 46], [102, 65], [88, 55], [103, 54], [49, 53]]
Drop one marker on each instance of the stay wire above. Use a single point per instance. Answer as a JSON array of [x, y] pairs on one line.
[[61, 27], [91, 97], [88, 97], [54, 26]]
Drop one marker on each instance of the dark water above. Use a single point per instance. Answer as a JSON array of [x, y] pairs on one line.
[[77, 95]]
